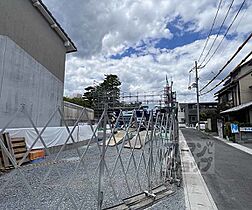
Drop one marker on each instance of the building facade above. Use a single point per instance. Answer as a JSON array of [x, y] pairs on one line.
[[33, 49], [235, 98], [187, 112]]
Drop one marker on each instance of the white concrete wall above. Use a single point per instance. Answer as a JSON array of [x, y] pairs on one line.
[[181, 115], [73, 111], [23, 80]]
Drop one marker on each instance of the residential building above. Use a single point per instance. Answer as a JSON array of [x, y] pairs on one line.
[[33, 49], [235, 98], [187, 112]]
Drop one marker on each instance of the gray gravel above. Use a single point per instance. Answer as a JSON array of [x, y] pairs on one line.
[[84, 185]]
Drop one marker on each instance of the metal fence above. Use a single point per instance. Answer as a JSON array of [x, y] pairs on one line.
[[121, 159]]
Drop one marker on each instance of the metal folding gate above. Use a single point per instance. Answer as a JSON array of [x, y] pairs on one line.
[[98, 174]]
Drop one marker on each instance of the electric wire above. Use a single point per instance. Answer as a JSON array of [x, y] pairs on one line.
[[235, 31], [239, 10], [234, 55], [222, 24], [210, 32], [219, 83]]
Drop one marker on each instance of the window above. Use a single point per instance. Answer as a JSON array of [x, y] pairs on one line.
[[230, 96], [193, 118]]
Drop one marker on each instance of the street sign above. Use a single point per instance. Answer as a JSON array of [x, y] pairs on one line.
[[234, 128], [246, 129]]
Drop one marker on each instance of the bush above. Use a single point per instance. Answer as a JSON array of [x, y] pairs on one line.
[[227, 130]]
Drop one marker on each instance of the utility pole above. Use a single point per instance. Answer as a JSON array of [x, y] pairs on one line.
[[196, 85], [197, 93]]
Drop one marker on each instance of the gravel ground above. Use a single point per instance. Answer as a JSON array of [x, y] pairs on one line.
[[83, 187]]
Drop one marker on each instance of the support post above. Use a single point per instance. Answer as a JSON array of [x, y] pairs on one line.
[[197, 93], [149, 193], [102, 162]]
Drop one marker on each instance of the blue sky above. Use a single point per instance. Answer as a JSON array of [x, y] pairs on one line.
[[180, 38]]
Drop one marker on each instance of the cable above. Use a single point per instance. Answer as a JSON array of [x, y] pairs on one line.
[[222, 24], [235, 30], [210, 32], [228, 74], [225, 33], [234, 55]]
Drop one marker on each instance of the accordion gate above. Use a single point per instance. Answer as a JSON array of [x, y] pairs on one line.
[[108, 168]]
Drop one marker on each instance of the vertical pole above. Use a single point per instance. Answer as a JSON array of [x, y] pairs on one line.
[[197, 92], [102, 162], [151, 154], [171, 96]]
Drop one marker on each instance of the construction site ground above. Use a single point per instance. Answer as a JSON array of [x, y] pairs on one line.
[[83, 188]]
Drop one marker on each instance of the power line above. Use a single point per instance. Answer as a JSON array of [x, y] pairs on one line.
[[225, 33], [210, 32], [234, 55], [222, 24], [235, 30], [247, 56]]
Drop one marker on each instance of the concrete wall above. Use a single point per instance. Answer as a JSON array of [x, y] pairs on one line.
[[24, 80], [181, 117], [73, 111], [24, 24]]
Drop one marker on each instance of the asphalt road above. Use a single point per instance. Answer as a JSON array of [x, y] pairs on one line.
[[230, 178]]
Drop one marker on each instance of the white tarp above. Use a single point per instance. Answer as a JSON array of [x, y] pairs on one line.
[[52, 136]]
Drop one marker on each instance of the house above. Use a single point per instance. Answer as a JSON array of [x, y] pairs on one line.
[[187, 113], [33, 49], [235, 97]]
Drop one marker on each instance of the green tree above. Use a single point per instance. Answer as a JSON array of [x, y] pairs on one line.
[[110, 90], [89, 96], [107, 92], [75, 100]]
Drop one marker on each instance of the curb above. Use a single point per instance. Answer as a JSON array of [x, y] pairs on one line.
[[197, 195]]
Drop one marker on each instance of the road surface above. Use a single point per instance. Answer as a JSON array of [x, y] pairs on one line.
[[230, 183]]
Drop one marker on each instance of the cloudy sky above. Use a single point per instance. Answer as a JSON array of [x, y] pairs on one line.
[[142, 41]]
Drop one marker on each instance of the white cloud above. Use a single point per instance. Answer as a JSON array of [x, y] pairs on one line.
[[141, 74], [102, 28]]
